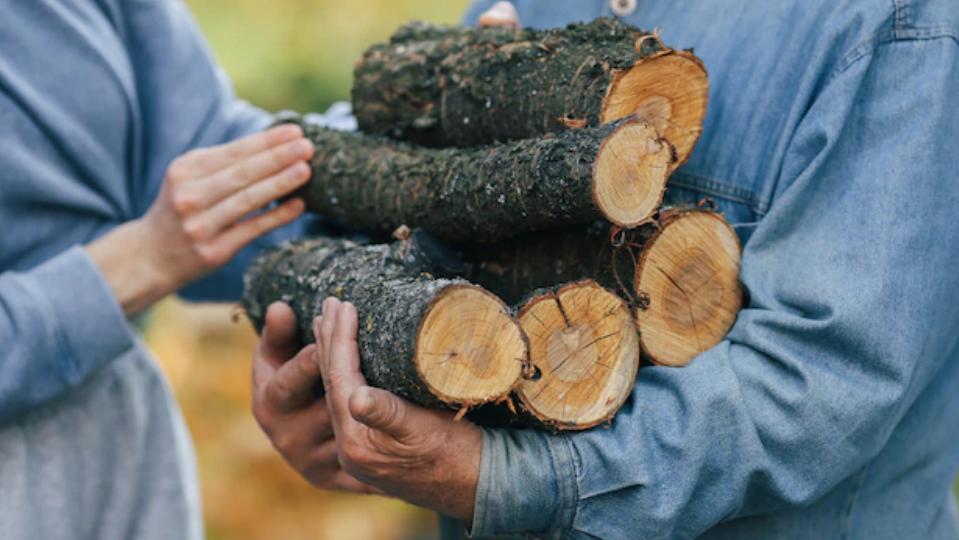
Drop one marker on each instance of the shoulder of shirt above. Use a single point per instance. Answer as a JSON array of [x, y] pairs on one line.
[[901, 21]]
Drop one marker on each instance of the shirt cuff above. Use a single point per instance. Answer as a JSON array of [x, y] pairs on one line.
[[527, 485], [84, 312]]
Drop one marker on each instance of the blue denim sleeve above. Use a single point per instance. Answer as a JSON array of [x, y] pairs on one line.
[[59, 324], [853, 311]]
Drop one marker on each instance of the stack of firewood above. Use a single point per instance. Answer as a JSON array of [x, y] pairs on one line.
[[524, 169]]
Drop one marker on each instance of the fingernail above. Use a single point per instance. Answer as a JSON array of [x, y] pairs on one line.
[[317, 322], [304, 148], [291, 131], [301, 171], [369, 405]]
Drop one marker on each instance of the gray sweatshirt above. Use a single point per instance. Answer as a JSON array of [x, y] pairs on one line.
[[97, 97]]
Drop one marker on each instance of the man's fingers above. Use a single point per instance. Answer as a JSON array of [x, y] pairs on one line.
[[341, 363], [382, 411], [324, 334], [345, 352], [280, 339], [207, 161], [501, 14], [292, 386]]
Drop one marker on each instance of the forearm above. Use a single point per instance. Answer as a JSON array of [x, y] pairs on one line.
[[852, 315], [128, 269], [59, 324]]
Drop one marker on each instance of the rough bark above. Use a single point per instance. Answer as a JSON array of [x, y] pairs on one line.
[[468, 86], [617, 171], [437, 342]]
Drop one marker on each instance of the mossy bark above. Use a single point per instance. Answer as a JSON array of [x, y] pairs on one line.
[[389, 289], [460, 195], [468, 86]]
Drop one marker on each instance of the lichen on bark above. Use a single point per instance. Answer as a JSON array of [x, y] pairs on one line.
[[467, 86]]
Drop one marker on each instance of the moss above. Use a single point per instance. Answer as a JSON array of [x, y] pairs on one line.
[[468, 86]]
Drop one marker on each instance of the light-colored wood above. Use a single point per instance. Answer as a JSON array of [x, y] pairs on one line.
[[689, 272], [671, 90], [583, 342], [629, 177], [469, 349]]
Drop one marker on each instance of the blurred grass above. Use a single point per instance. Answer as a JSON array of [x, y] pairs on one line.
[[299, 54]]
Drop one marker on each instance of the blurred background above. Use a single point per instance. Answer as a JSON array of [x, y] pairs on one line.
[[281, 54]]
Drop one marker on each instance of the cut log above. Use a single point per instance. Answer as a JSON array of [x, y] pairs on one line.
[[585, 348], [436, 342], [688, 281], [617, 171], [469, 86]]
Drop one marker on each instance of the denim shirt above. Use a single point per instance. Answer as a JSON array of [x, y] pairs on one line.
[[831, 410]]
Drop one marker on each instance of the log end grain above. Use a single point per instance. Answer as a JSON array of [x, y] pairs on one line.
[[584, 343], [470, 349], [689, 272], [630, 173], [671, 90]]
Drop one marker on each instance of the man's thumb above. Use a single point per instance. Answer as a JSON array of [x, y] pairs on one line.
[[380, 410]]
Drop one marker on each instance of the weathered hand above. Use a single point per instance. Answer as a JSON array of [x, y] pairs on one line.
[[501, 14], [197, 223], [297, 424], [419, 455]]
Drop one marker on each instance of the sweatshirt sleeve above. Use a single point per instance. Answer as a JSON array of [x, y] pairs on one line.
[[853, 286], [59, 324], [188, 101]]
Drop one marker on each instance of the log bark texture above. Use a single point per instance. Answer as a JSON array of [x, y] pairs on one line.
[[437, 342], [616, 171], [468, 86]]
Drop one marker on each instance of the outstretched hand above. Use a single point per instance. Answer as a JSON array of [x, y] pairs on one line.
[[420, 455], [297, 423], [202, 216]]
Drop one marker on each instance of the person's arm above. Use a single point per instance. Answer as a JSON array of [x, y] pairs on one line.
[[186, 102], [59, 324], [852, 313], [63, 317]]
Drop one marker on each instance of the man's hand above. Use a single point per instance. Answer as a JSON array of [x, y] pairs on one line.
[[297, 424], [501, 14], [200, 219], [419, 455]]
